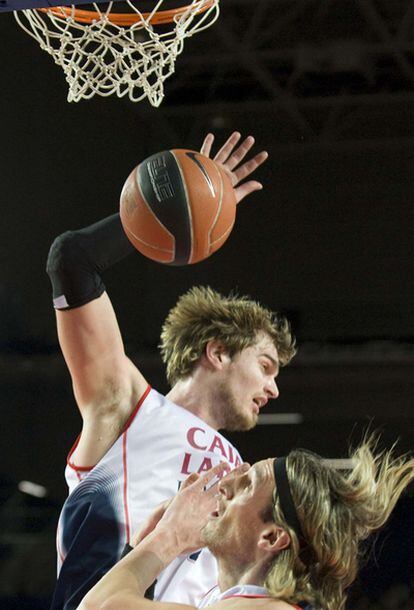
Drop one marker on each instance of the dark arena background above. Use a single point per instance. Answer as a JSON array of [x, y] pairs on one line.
[[327, 87]]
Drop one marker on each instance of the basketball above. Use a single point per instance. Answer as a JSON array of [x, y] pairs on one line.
[[178, 207]]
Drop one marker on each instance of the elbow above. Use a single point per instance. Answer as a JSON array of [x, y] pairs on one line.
[[60, 250]]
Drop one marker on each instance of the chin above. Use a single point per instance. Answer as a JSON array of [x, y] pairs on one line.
[[236, 418], [208, 535], [242, 421]]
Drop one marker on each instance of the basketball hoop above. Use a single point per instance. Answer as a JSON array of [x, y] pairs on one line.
[[126, 54]]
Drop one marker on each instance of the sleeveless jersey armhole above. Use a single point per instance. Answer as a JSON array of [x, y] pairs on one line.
[[84, 469]]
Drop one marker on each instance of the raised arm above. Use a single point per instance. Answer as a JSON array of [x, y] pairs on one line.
[[106, 383]]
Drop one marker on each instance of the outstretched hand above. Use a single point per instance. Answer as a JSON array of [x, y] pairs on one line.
[[206, 501], [188, 512], [230, 157]]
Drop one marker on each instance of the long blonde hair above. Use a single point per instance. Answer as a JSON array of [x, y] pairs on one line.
[[336, 510]]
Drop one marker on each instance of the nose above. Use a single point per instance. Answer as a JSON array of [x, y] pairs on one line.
[[272, 390]]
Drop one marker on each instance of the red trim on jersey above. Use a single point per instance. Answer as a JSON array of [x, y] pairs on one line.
[[124, 462], [71, 464], [129, 422], [257, 596], [135, 411], [246, 595], [209, 591]]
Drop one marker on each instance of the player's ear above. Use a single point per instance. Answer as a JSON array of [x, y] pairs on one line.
[[273, 539], [216, 354]]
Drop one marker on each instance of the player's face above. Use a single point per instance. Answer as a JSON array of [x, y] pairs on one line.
[[234, 528], [248, 383]]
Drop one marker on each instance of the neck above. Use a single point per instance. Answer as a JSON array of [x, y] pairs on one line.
[[231, 575], [196, 396]]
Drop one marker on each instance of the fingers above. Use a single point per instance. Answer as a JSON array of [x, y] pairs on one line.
[[239, 153], [204, 480], [242, 468], [249, 166], [192, 478], [246, 188], [207, 145], [225, 151], [231, 155], [207, 481], [231, 158], [214, 473]]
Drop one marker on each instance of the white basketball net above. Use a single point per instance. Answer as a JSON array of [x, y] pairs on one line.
[[102, 58]]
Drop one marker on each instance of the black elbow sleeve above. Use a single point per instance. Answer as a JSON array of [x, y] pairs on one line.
[[77, 258], [75, 280]]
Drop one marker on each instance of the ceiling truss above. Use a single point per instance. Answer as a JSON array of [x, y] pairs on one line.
[[327, 70]]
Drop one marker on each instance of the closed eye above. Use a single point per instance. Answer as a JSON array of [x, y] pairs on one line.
[[269, 365], [248, 483]]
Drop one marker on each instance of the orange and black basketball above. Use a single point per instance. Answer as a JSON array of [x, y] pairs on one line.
[[178, 207]]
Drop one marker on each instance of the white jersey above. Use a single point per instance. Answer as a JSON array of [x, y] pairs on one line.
[[160, 446]]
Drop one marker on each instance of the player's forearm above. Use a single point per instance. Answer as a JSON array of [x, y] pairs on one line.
[[154, 553], [136, 572]]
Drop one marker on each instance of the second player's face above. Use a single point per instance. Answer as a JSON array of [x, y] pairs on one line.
[[234, 527], [248, 383]]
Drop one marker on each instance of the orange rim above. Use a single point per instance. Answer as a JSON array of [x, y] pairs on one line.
[[85, 16]]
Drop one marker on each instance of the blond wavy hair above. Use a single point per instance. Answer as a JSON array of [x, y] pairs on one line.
[[336, 510], [202, 314]]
